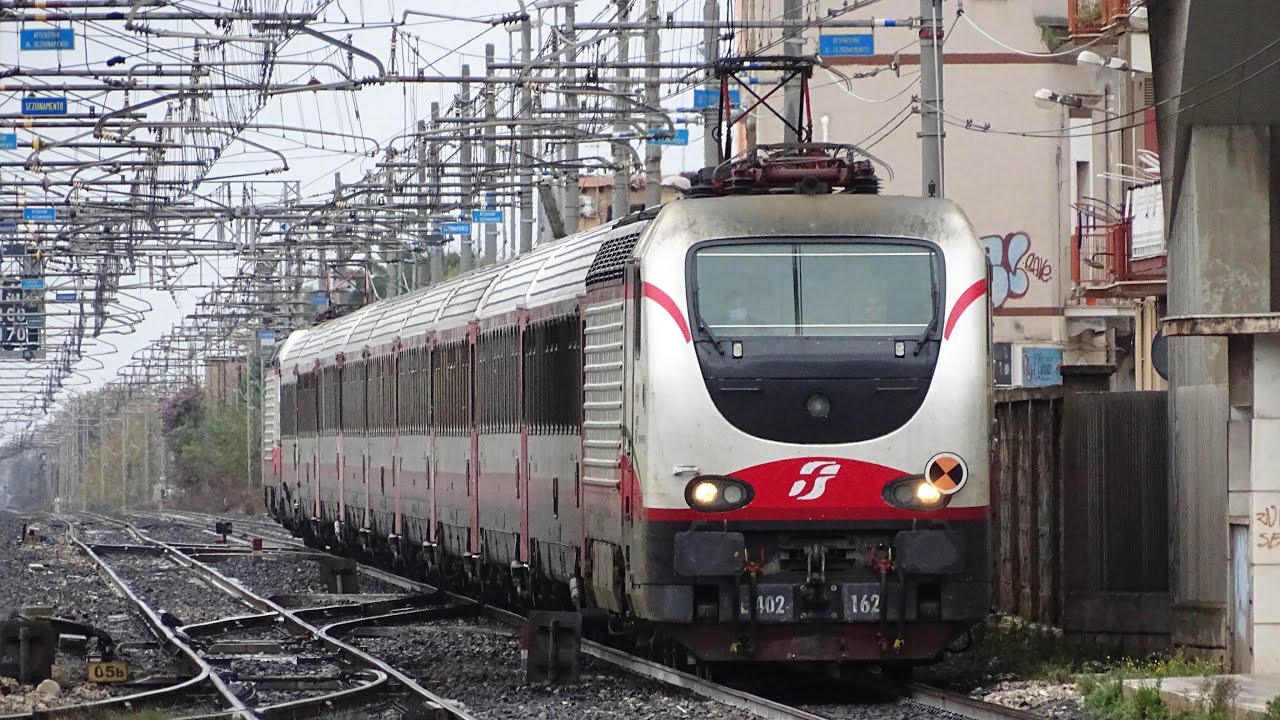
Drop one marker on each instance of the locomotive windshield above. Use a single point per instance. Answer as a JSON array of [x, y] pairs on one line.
[[816, 289]]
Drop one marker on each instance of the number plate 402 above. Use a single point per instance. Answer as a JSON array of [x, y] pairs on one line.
[[108, 672]]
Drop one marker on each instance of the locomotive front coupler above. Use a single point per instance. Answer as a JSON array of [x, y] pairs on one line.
[[813, 593]]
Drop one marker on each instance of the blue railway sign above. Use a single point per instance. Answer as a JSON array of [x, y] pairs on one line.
[[456, 228], [860, 45], [66, 296], [704, 98], [8, 141], [32, 284], [38, 106], [486, 216], [48, 39], [664, 137], [267, 335], [39, 214]]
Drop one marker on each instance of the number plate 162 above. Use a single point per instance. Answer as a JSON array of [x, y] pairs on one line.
[[862, 601]]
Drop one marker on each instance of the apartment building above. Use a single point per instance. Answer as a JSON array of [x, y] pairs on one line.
[[1047, 152]]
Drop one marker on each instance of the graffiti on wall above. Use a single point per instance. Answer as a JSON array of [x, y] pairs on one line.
[[1013, 265]]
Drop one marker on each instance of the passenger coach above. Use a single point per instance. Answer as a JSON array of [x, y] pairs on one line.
[[751, 424]]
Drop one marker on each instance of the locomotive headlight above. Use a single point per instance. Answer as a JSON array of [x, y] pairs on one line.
[[818, 405], [927, 493], [717, 493], [705, 493], [915, 493], [733, 494]]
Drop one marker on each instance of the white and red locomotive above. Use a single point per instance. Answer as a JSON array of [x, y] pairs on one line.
[[753, 422]]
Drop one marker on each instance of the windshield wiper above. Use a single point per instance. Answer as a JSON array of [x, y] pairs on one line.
[[705, 328], [933, 320]]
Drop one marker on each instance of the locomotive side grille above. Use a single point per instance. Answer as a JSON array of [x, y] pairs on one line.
[[602, 393], [270, 416], [612, 258]]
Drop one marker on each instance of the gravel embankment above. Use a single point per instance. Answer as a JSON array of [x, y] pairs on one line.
[[269, 575], [165, 586], [965, 674], [478, 666], [176, 533], [56, 575]]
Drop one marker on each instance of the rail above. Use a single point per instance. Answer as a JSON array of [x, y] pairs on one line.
[[934, 698], [146, 698], [267, 608]]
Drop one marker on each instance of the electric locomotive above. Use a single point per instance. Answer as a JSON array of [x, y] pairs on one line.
[[751, 423]]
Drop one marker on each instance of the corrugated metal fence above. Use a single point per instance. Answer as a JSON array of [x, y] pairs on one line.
[[1079, 511]]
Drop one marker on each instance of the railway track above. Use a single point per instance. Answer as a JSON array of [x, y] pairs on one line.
[[916, 700], [276, 663]]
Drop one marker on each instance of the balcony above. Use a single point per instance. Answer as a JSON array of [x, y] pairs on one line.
[[1120, 252], [1089, 18]]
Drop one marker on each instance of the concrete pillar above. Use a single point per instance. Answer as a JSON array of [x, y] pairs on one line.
[[1219, 262], [1264, 506], [1252, 428]]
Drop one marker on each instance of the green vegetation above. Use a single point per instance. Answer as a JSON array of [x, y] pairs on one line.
[[211, 436], [208, 442], [1273, 709], [1011, 645], [1105, 698]]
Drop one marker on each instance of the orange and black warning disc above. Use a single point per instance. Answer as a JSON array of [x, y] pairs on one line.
[[946, 472]]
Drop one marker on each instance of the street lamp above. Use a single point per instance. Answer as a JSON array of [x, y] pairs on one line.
[[1048, 99], [1089, 57]]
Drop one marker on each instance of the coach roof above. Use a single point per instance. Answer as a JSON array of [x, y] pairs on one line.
[[557, 271]]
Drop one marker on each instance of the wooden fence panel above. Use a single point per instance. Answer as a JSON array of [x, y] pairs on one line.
[[1025, 502], [1079, 508]]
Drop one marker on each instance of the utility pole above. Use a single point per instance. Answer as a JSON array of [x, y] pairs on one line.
[[526, 141], [464, 157], [146, 453], [124, 464], [931, 132], [652, 151], [572, 200], [710, 54], [421, 272], [491, 155], [793, 46], [621, 158], [435, 254], [395, 269]]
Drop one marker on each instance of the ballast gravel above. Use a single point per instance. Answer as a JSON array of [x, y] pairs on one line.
[[964, 674], [176, 533], [269, 575], [169, 587], [480, 669], [54, 574]]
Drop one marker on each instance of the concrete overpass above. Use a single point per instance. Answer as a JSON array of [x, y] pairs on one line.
[[1217, 82]]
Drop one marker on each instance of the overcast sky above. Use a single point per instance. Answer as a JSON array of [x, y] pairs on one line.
[[434, 46]]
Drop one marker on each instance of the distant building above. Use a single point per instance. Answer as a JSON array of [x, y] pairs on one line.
[[1059, 188], [595, 199], [222, 377]]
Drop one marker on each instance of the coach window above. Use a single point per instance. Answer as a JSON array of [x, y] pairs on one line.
[[816, 289]]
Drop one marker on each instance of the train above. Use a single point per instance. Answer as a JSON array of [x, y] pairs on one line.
[[749, 425]]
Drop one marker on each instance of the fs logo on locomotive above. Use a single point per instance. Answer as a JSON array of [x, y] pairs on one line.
[[820, 471]]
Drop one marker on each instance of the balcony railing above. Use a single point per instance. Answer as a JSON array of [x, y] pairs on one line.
[[1102, 247], [1091, 17]]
